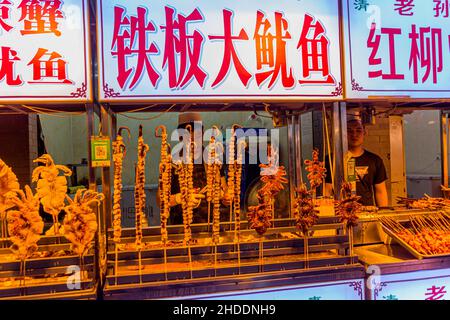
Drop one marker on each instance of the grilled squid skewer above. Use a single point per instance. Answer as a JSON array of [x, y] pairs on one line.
[[119, 152], [139, 188], [165, 180]]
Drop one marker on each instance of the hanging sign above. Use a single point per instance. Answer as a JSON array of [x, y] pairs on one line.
[[219, 50], [100, 151], [397, 49], [44, 51]]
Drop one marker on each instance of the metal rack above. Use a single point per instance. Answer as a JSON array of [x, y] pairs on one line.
[[281, 254], [48, 276]]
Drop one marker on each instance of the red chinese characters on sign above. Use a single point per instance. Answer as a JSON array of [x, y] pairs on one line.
[[314, 46], [48, 67], [230, 51], [404, 7], [5, 10], [133, 41], [182, 51], [441, 8], [426, 48], [373, 42], [435, 293], [271, 50], [8, 58], [40, 16]]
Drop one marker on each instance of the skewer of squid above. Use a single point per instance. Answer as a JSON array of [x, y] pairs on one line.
[[140, 195], [237, 199], [119, 153], [165, 181], [212, 154]]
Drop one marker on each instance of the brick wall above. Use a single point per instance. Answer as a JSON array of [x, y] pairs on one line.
[[390, 147], [18, 144]]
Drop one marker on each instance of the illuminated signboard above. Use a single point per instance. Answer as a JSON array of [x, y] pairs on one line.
[[420, 285], [219, 50], [397, 48], [337, 290], [44, 51]]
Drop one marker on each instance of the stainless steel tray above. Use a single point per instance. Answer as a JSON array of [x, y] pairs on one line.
[[411, 250]]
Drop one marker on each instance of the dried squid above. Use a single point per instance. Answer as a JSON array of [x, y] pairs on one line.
[[25, 225], [51, 187], [80, 222], [119, 152], [8, 184]]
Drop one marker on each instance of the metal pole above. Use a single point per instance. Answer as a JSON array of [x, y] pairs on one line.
[[298, 151], [444, 149], [339, 144], [90, 117], [106, 173], [292, 161]]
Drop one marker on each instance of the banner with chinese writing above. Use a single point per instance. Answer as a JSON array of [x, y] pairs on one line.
[[420, 285], [338, 290], [219, 50], [398, 49], [44, 51]]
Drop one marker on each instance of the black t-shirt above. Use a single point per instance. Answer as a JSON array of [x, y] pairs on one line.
[[370, 170]]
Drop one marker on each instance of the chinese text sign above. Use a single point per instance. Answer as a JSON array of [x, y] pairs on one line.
[[223, 50], [397, 48], [44, 51]]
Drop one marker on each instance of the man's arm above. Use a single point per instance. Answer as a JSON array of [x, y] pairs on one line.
[[381, 196]]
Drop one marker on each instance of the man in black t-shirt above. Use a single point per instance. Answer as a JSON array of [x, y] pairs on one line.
[[369, 169]]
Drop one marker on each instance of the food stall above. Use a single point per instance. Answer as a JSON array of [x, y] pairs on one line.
[[274, 63], [46, 69], [402, 67]]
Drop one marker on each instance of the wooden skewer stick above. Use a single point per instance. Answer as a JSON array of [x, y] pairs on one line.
[[116, 264], [165, 262], [305, 249], [215, 260], [190, 260], [24, 271], [140, 266], [261, 254]]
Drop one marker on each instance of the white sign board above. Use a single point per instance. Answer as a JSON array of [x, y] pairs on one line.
[[337, 290], [219, 50], [420, 285], [44, 51], [397, 49]]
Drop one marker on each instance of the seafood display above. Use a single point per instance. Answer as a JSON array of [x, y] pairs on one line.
[[316, 171], [348, 207], [428, 235], [165, 182], [273, 179], [305, 213], [237, 188], [25, 225], [185, 171], [139, 193], [8, 184], [119, 151], [213, 185], [51, 186], [425, 203], [80, 222]]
